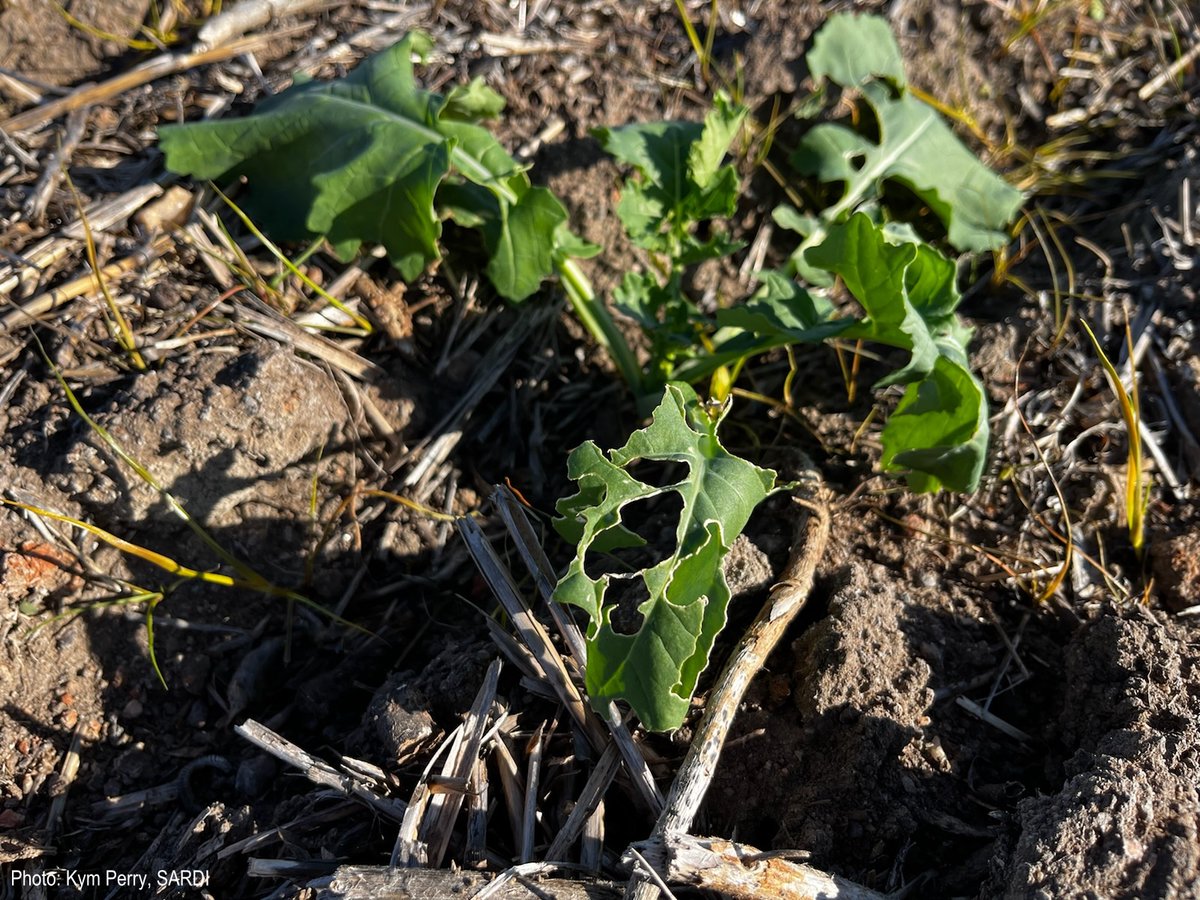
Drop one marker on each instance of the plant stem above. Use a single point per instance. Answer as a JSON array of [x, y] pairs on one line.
[[599, 322]]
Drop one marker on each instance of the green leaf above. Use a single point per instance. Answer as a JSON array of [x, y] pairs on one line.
[[937, 437], [656, 668], [719, 198], [473, 102], [852, 49], [917, 149], [787, 216], [782, 309], [662, 310], [568, 244], [642, 209], [875, 271], [780, 313], [521, 243], [938, 434], [365, 159], [658, 150], [721, 126], [680, 182]]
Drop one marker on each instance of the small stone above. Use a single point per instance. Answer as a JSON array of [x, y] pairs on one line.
[[132, 710], [400, 718]]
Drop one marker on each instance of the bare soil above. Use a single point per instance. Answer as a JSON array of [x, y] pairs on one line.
[[938, 720]]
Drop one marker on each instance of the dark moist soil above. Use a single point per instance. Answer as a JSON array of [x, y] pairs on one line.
[[928, 724]]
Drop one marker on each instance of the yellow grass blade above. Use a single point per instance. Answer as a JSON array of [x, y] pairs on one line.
[[693, 37], [93, 31], [1137, 488], [291, 267]]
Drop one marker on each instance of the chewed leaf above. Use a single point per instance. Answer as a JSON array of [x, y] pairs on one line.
[[655, 669], [365, 159], [851, 50], [915, 147]]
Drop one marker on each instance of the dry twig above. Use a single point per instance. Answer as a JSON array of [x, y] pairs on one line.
[[742, 872]]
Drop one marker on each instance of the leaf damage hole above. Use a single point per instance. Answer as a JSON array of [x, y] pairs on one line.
[[627, 595], [656, 521], [660, 473]]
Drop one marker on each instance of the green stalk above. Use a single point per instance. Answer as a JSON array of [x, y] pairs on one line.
[[588, 308], [599, 323]]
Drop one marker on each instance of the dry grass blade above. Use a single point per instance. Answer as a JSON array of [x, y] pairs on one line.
[[66, 777], [120, 325], [34, 207], [744, 872], [589, 800], [409, 849], [55, 298], [530, 630], [539, 567], [151, 70], [443, 808], [532, 880], [28, 268], [291, 266], [318, 771], [477, 815], [511, 783], [263, 320], [248, 15], [533, 780]]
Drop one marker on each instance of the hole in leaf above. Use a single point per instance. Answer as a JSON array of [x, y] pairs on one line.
[[659, 473], [625, 595], [857, 161], [655, 520], [903, 204]]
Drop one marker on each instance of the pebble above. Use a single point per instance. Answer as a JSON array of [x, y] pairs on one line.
[[132, 710]]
